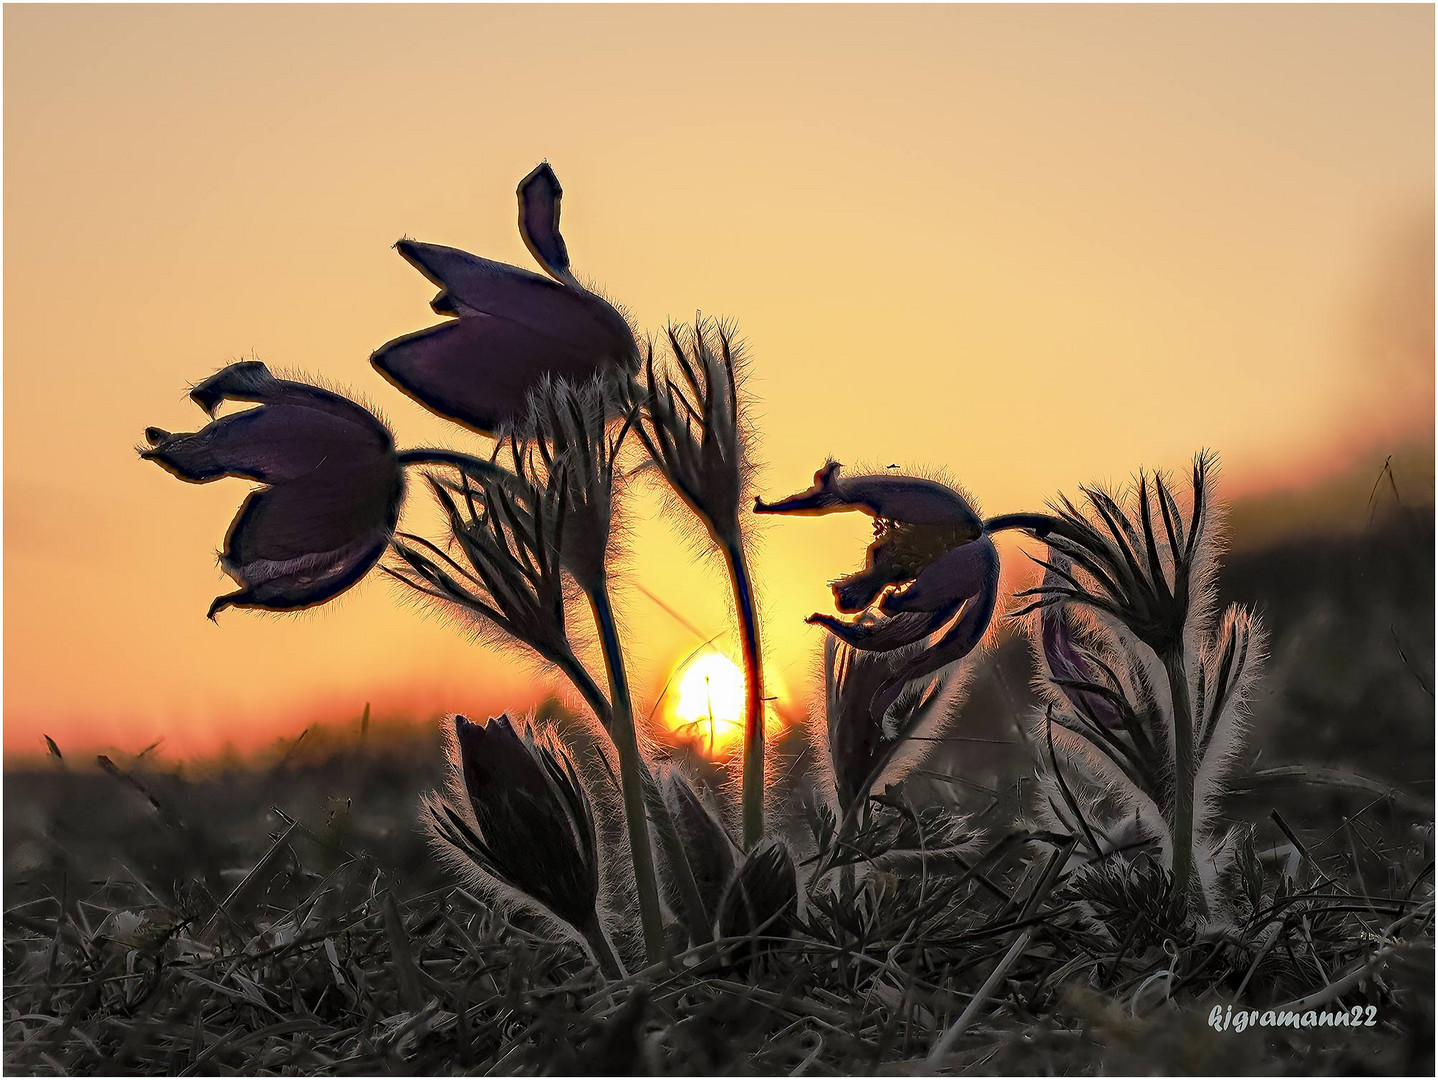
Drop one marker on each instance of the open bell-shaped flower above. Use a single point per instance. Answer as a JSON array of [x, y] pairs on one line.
[[512, 327], [333, 485], [931, 575]]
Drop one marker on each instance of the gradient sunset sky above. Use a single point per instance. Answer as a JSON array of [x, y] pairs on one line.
[[1033, 246]]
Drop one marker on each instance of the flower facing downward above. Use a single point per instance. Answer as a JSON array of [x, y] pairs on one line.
[[519, 814], [333, 485], [512, 327], [931, 570]]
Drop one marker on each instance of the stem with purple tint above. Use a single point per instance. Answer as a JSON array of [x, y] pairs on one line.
[[752, 795]]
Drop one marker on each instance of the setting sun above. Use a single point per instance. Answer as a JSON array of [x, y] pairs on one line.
[[710, 705]]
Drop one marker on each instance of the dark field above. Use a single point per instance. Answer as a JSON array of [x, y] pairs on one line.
[[287, 919]]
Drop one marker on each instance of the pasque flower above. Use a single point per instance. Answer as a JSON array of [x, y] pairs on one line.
[[1070, 667], [512, 327], [1176, 674], [931, 573], [518, 813], [333, 485]]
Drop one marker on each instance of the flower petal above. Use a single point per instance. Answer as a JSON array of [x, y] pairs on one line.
[[296, 429], [479, 371], [306, 541], [857, 591], [897, 498], [879, 634], [475, 286], [955, 575], [272, 443], [956, 643], [539, 194]]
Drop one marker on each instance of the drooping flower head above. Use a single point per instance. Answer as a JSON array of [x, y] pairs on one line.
[[931, 573], [511, 327], [333, 485], [518, 812]]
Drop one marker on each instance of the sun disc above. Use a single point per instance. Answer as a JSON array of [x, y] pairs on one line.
[[709, 706]]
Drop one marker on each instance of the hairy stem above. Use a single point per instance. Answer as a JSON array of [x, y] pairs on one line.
[[603, 951], [752, 794], [631, 770], [659, 812], [468, 463], [1185, 769]]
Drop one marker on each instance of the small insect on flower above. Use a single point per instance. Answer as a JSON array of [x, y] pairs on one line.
[[931, 573], [517, 813], [512, 327], [333, 485]]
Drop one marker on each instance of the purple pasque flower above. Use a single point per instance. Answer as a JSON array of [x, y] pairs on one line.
[[512, 327], [931, 573], [1073, 669], [519, 813], [333, 485]]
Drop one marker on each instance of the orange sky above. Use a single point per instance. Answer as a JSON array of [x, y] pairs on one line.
[[1036, 246]]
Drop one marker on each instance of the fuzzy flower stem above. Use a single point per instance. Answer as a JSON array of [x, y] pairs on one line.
[[752, 798], [588, 689], [603, 952], [474, 466], [631, 769], [1184, 770], [659, 811]]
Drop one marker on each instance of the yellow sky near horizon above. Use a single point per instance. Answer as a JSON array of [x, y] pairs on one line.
[[1032, 246]]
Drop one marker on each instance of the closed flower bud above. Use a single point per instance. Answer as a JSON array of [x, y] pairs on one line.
[[517, 812], [763, 898]]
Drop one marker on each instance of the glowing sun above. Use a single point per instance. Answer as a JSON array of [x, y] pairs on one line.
[[709, 707]]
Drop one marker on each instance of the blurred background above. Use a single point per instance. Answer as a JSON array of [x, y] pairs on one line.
[[1030, 247]]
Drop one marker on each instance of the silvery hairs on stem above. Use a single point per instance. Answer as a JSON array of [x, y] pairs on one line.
[[1132, 654]]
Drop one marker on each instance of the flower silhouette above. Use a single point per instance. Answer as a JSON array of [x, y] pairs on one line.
[[931, 572], [333, 485], [511, 328], [518, 813]]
